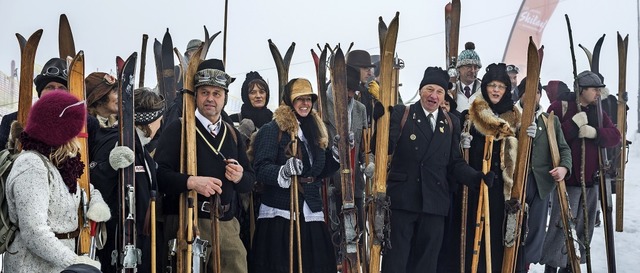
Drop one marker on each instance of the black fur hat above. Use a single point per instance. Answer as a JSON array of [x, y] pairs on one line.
[[497, 72]]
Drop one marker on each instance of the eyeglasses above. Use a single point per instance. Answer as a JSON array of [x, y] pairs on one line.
[[513, 68], [497, 86], [55, 72]]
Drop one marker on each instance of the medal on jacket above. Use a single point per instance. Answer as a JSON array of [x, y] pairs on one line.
[[442, 130], [412, 137]]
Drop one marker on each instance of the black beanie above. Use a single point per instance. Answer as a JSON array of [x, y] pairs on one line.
[[253, 77], [522, 87], [435, 75], [497, 72]]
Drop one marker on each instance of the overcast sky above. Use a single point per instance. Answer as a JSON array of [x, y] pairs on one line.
[[104, 29]]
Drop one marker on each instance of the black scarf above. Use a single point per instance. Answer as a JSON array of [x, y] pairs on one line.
[[310, 131], [70, 169], [259, 116]]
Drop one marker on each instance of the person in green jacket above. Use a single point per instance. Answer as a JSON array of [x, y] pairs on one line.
[[541, 181]]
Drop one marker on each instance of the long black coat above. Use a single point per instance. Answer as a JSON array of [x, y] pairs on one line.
[[423, 161]]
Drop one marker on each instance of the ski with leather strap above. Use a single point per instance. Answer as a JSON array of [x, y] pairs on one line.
[[349, 242], [66, 46], [126, 254], [27, 58], [77, 89], [568, 223], [515, 206], [282, 65], [623, 97], [379, 212]]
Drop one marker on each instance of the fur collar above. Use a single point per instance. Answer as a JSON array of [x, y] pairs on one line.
[[287, 122], [487, 123]]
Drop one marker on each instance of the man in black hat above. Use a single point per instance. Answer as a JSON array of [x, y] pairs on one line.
[[425, 152], [53, 77], [368, 87], [222, 165]]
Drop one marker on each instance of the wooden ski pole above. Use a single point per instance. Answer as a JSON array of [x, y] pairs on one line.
[[143, 59], [153, 231], [465, 206], [224, 43], [296, 206], [482, 216]]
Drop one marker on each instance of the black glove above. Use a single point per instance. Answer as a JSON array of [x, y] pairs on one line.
[[378, 110], [488, 178]]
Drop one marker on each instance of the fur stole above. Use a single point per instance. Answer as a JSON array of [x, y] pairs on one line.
[[502, 127], [287, 122]]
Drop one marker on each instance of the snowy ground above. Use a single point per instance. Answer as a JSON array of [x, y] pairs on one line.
[[627, 243]]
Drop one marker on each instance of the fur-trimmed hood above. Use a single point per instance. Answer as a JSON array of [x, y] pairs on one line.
[[502, 127], [287, 122]]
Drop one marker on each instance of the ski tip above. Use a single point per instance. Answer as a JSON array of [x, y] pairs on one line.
[[167, 31]]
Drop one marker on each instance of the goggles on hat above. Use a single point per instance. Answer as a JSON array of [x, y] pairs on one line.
[[513, 68], [55, 72]]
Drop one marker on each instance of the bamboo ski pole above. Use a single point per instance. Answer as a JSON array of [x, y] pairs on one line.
[[143, 59], [482, 216], [224, 43]]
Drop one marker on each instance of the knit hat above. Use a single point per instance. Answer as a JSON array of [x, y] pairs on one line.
[[555, 88], [193, 44], [589, 79], [295, 88], [56, 118], [253, 77], [55, 70], [497, 72], [98, 85], [359, 59], [522, 87], [469, 56], [437, 76]]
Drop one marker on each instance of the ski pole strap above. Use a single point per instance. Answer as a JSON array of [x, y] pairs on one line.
[[69, 235]]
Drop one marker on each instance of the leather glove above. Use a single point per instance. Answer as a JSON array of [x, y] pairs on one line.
[[580, 119], [487, 178], [531, 130], [587, 131], [292, 167], [465, 141], [121, 157], [369, 170], [98, 211], [86, 260], [246, 127], [374, 89], [378, 110]]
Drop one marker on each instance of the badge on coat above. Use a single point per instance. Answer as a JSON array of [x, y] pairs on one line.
[[412, 137], [140, 169]]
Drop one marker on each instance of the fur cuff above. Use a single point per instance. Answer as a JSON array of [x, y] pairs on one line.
[[99, 211]]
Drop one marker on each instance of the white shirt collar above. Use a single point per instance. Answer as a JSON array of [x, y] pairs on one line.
[[208, 124], [434, 115]]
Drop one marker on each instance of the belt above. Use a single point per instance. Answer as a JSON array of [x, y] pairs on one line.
[[306, 180], [69, 235], [205, 206]]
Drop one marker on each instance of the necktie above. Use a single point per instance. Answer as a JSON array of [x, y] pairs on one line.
[[467, 91], [212, 129], [430, 122]]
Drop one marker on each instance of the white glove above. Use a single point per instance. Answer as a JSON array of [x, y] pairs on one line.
[[292, 167], [86, 260], [580, 119], [352, 141], [121, 157], [98, 211], [587, 131], [465, 140], [368, 171], [531, 130]]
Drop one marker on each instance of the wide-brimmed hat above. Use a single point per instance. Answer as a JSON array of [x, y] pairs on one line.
[[359, 59]]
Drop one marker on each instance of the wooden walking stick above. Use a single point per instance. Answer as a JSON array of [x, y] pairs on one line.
[[153, 232], [482, 216], [464, 205], [295, 214]]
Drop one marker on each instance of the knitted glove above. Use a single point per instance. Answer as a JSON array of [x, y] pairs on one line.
[[368, 171], [587, 131], [86, 260], [98, 211], [580, 119], [531, 130], [121, 157], [374, 89], [465, 141], [292, 167]]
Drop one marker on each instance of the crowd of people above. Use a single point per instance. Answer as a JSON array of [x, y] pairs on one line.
[[247, 160]]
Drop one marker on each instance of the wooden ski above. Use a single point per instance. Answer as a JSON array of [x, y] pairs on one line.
[[66, 46], [606, 198], [623, 97], [129, 256], [27, 58], [349, 242], [379, 213], [568, 225], [157, 56], [168, 74], [76, 88], [282, 65], [321, 72], [143, 59], [515, 205]]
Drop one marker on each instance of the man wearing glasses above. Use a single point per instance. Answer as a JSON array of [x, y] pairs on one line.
[[512, 71], [52, 78], [468, 83]]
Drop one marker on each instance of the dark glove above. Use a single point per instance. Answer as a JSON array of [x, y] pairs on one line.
[[487, 178], [378, 110]]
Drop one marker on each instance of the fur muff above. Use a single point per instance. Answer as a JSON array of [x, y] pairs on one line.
[[502, 127]]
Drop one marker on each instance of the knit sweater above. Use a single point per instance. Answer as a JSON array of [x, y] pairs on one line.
[[40, 203]]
